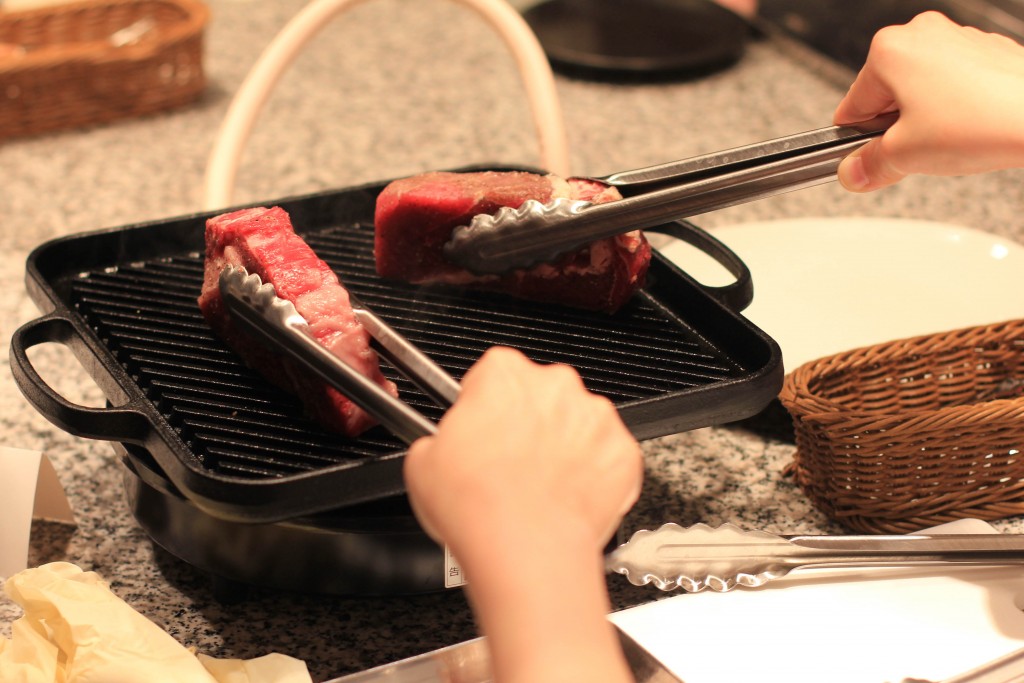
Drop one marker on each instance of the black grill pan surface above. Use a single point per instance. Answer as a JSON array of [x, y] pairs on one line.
[[679, 356]]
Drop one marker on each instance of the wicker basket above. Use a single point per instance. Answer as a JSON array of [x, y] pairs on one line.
[[84, 63], [900, 436]]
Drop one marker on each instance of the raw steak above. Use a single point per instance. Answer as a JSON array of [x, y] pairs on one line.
[[415, 217], [263, 242]]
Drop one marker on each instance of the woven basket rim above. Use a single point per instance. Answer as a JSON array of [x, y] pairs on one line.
[[796, 392], [899, 346], [72, 6], [907, 418], [196, 16]]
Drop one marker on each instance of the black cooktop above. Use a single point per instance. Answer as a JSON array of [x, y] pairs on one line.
[[612, 39], [842, 30]]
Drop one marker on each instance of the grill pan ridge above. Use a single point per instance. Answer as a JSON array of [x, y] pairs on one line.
[[675, 358]]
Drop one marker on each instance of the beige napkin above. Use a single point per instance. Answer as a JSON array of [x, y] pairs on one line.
[[75, 630]]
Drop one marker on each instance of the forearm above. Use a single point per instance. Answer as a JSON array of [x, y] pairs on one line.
[[539, 595]]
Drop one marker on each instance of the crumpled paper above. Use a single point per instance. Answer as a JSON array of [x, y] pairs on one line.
[[75, 630]]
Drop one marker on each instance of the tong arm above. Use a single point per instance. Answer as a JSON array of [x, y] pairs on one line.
[[862, 551], [722, 558], [406, 357], [736, 158], [536, 233]]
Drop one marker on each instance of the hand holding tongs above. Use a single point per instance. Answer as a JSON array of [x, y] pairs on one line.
[[536, 232], [257, 307]]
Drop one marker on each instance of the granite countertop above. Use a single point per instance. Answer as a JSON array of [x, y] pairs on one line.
[[390, 89]]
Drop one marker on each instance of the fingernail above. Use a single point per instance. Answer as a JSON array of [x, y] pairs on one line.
[[852, 174]]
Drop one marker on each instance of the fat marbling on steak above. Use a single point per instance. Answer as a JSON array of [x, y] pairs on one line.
[[415, 217], [263, 241]]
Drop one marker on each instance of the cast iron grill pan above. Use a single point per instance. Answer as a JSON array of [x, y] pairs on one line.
[[675, 358]]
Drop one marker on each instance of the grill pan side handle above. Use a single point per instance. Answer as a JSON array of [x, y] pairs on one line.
[[736, 295], [124, 422]]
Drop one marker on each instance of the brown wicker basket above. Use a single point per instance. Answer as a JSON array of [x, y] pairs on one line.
[[84, 63], [900, 436]]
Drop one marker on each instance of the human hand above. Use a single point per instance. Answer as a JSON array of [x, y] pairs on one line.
[[526, 479], [960, 94], [526, 444]]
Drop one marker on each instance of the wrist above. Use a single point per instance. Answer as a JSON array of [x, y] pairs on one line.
[[539, 594], [500, 525]]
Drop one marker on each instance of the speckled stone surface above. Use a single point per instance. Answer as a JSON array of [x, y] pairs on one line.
[[392, 88]]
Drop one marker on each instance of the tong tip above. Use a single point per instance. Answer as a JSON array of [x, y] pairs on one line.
[[239, 288], [696, 558], [512, 237]]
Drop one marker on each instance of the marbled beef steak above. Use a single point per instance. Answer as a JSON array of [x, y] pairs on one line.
[[415, 216], [263, 241]]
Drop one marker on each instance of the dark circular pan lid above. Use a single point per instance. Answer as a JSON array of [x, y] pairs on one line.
[[637, 38]]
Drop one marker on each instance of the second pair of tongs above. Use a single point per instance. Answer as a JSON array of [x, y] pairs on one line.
[[722, 558], [535, 233], [256, 306]]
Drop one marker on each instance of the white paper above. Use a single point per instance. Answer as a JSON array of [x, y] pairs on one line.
[[454, 576], [31, 490]]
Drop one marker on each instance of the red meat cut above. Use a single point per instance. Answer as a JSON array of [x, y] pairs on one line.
[[264, 242], [415, 217]]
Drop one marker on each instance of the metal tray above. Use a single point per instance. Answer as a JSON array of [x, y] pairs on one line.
[[677, 357]]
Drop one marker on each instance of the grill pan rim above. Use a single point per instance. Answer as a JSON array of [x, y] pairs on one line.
[[48, 273]]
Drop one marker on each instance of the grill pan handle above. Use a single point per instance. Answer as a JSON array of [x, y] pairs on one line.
[[736, 295], [125, 422]]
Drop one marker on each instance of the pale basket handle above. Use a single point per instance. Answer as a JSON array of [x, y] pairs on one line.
[[538, 79]]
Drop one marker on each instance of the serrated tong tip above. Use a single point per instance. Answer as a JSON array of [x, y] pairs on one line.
[[703, 557], [494, 243], [693, 558]]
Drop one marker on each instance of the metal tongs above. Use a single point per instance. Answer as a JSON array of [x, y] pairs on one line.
[[722, 558], [535, 233], [256, 306]]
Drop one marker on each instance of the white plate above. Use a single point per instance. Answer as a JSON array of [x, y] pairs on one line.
[[827, 285]]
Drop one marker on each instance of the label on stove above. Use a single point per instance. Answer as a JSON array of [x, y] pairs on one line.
[[453, 574]]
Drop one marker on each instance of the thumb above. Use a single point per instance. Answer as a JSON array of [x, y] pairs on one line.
[[868, 168]]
